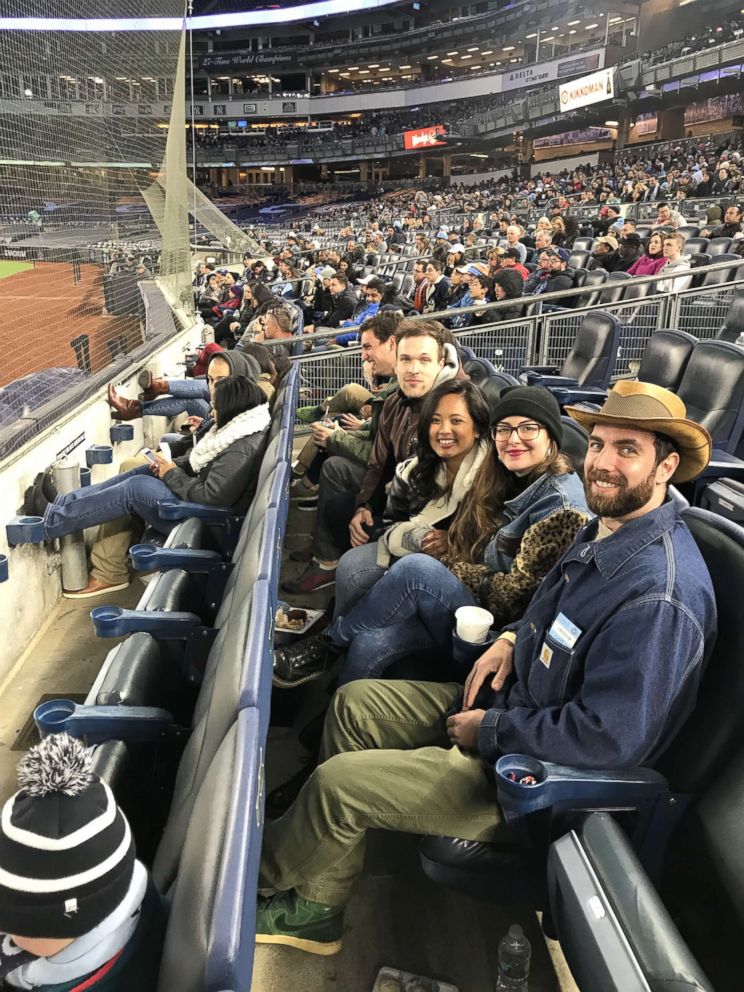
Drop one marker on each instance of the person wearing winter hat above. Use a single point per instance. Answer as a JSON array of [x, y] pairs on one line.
[[77, 909], [498, 546], [508, 285], [602, 670]]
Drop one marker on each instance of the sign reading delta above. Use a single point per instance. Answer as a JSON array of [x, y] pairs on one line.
[[425, 137]]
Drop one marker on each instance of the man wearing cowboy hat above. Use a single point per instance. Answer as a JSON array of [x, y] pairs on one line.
[[601, 672]]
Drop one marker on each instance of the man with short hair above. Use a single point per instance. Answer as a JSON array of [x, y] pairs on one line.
[[731, 227], [421, 284], [438, 288], [629, 227], [372, 292], [675, 262], [420, 363], [629, 250], [344, 300], [552, 273], [669, 218], [602, 671], [511, 260]]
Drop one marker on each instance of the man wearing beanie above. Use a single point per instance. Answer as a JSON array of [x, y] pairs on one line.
[[77, 910], [602, 671]]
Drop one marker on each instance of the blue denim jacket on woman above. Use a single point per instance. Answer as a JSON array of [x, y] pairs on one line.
[[610, 652], [543, 497]]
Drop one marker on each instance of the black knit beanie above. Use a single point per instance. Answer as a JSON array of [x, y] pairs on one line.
[[66, 850], [530, 401]]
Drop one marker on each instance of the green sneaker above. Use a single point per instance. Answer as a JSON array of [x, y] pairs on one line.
[[288, 919], [308, 414]]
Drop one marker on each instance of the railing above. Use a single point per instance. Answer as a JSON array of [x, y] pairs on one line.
[[546, 336]]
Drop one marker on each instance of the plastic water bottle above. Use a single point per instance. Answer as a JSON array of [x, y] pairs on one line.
[[514, 961], [740, 340]]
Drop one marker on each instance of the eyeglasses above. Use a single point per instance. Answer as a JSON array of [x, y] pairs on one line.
[[526, 432]]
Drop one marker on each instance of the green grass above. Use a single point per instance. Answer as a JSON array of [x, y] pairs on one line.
[[8, 268]]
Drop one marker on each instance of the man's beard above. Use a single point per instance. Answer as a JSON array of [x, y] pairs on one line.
[[618, 504]]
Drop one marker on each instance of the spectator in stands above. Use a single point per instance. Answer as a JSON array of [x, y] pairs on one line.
[[275, 326], [510, 260], [452, 441], [652, 259], [438, 288], [552, 273], [731, 227], [629, 250], [77, 909], [372, 292], [457, 289], [705, 187], [652, 190], [669, 218], [508, 285], [560, 684], [210, 297], [543, 239], [268, 378], [220, 470], [513, 235], [425, 357], [455, 257], [234, 325], [343, 301], [629, 227], [421, 284], [605, 252], [232, 297], [675, 262]]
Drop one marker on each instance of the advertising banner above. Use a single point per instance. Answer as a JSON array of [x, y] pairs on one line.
[[543, 72], [587, 90], [425, 137]]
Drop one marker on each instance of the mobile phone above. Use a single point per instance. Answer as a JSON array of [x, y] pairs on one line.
[[149, 455], [185, 428], [165, 451]]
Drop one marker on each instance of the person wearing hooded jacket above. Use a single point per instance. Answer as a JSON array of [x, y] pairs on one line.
[[508, 285], [220, 470]]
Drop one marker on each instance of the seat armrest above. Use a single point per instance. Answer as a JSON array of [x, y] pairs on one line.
[[549, 381], [115, 621], [95, 724], [176, 509], [148, 557], [539, 370], [526, 785], [589, 398], [722, 464]]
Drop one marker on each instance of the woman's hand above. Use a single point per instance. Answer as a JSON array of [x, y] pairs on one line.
[[435, 543], [496, 661], [194, 422], [162, 465]]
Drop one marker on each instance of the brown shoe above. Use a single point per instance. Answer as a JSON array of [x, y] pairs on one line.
[[127, 409], [94, 588]]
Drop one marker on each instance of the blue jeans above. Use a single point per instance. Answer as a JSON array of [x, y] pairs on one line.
[[356, 573], [136, 492], [411, 609], [186, 396]]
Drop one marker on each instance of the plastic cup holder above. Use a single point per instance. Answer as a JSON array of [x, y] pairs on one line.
[[30, 521], [51, 717], [465, 653], [520, 773], [143, 551], [3, 568]]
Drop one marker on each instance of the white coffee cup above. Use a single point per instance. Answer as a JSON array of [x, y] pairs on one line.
[[473, 623]]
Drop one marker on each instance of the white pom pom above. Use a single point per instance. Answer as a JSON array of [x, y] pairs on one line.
[[60, 763]]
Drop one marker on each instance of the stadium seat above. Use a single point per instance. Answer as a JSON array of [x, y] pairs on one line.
[[712, 389], [644, 231], [635, 290], [698, 261], [514, 874], [579, 259], [733, 325], [595, 278], [688, 231], [665, 358], [406, 287], [590, 362], [719, 246], [718, 277], [613, 288], [694, 245], [582, 244]]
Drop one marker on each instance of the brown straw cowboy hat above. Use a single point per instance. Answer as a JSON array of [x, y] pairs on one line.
[[651, 408]]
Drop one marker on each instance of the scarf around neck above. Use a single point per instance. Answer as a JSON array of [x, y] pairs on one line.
[[218, 439]]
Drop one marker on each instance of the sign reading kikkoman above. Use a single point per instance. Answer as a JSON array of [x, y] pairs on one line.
[[587, 90]]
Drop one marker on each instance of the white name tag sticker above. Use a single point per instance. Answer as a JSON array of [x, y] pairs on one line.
[[546, 655], [564, 632]]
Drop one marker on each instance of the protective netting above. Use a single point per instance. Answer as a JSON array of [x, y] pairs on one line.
[[84, 121]]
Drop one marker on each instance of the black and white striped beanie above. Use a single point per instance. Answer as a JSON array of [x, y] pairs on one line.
[[66, 850]]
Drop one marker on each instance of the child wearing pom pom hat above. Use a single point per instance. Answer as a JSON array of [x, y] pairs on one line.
[[77, 909]]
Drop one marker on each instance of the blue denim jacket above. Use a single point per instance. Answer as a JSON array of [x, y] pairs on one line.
[[641, 613], [546, 495]]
